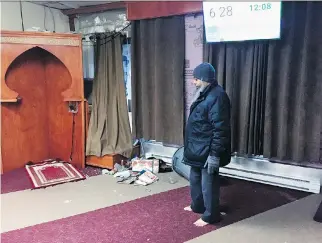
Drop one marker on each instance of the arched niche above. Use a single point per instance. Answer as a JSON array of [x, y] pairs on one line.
[[44, 56], [72, 93]]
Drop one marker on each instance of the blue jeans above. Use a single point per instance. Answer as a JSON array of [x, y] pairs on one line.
[[205, 193]]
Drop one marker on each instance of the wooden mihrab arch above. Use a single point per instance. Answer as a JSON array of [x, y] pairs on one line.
[[42, 49], [24, 42]]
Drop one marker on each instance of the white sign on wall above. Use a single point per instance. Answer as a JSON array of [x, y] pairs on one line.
[[238, 21]]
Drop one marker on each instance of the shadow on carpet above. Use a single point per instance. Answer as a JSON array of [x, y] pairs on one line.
[[158, 218], [18, 179], [318, 214]]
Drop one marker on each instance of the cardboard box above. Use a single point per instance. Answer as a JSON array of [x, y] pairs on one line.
[[152, 165]]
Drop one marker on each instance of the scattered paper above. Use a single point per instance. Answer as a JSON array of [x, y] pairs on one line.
[[147, 178], [105, 172], [124, 174]]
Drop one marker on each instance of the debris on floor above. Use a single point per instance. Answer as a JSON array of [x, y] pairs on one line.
[[172, 180], [138, 171], [146, 178], [105, 172], [122, 175]]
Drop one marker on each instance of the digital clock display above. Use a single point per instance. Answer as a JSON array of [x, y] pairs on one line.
[[238, 21], [260, 6]]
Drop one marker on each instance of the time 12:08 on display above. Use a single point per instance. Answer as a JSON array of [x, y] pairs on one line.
[[260, 6]]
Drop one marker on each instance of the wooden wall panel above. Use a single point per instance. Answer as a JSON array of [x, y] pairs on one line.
[[46, 76], [24, 124], [156, 9], [60, 121]]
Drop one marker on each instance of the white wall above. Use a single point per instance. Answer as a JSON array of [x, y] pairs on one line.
[[33, 16]]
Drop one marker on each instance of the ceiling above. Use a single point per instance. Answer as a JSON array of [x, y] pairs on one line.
[[70, 4]]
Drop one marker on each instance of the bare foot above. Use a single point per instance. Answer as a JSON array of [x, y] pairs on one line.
[[188, 208], [200, 223]]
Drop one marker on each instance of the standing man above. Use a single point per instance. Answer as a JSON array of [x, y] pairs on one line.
[[207, 144]]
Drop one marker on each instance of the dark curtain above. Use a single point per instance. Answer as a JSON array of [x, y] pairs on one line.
[[241, 69], [158, 53], [294, 81], [276, 88]]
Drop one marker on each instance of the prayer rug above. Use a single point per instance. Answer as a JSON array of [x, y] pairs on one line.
[[53, 173]]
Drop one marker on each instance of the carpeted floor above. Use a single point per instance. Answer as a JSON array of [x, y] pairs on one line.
[[18, 180], [158, 218]]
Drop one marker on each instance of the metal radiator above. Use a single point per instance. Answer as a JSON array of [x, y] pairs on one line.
[[256, 170]]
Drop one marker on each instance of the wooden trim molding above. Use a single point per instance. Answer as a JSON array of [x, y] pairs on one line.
[[8, 100], [39, 41], [137, 10], [40, 38], [39, 34]]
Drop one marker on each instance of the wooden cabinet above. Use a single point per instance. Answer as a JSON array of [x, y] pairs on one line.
[[108, 161], [41, 76]]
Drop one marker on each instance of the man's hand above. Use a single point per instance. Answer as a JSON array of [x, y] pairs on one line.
[[212, 164]]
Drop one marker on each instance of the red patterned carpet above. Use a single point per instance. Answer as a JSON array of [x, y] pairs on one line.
[[158, 218]]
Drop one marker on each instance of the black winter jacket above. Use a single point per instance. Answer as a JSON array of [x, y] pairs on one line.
[[208, 129]]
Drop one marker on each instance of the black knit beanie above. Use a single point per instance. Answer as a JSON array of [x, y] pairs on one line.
[[205, 72]]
